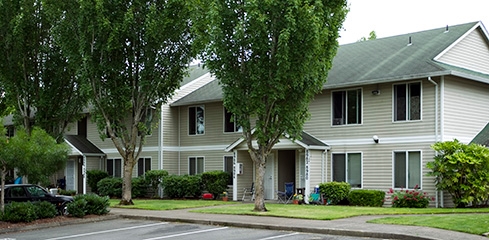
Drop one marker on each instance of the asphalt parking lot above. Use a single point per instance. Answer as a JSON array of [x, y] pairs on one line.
[[153, 230]]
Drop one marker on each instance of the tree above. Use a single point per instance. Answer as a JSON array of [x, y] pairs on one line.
[[271, 58], [372, 36], [462, 170], [36, 157], [134, 54], [36, 77]]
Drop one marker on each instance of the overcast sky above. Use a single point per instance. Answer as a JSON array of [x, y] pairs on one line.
[[395, 17]]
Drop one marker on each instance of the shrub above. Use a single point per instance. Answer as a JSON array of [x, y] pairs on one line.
[[182, 186], [45, 209], [19, 212], [94, 204], [154, 179], [77, 208], [215, 182], [110, 186], [67, 192], [139, 187], [335, 192], [364, 197], [93, 177], [409, 198]]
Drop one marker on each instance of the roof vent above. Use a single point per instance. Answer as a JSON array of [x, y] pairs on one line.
[[410, 42], [446, 29]]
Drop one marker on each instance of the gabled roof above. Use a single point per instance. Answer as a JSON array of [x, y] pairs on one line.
[[307, 141], [80, 145], [482, 137], [382, 60]]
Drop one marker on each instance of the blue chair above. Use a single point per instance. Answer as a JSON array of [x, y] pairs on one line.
[[287, 195]]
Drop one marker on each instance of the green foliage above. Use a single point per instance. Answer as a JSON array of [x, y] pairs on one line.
[[462, 171], [215, 182], [77, 208], [139, 187], [45, 209], [94, 204], [19, 212], [335, 192], [112, 187], [93, 176], [366, 197], [155, 178], [182, 186], [409, 198], [67, 192]]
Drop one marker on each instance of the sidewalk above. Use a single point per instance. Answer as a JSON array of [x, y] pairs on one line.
[[355, 226]]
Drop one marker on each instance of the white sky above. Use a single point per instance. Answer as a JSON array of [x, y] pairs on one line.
[[394, 17]]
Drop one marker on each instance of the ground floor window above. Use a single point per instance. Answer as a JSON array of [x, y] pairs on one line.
[[407, 169], [195, 165], [228, 167], [144, 165], [114, 167], [347, 167]]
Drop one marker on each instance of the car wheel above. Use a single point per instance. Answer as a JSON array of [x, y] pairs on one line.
[[63, 210]]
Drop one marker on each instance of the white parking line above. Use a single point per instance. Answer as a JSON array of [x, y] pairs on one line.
[[280, 236], [187, 233], [108, 231]]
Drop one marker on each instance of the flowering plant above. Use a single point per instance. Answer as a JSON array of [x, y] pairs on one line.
[[299, 197], [224, 194], [409, 198]]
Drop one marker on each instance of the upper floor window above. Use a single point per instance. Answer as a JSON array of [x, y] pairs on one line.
[[407, 169], [196, 120], [144, 165], [195, 165], [230, 124], [347, 107], [407, 102], [347, 167]]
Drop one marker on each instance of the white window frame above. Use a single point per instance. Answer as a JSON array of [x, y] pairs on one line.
[[114, 166], [346, 166], [345, 113], [408, 102], [420, 169], [236, 127], [196, 124], [144, 165], [196, 159]]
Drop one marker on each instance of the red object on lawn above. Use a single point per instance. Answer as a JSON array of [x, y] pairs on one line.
[[207, 196]]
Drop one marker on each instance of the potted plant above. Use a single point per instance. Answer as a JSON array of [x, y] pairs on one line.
[[224, 196], [298, 198]]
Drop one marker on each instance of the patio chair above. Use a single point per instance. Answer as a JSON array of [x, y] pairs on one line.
[[316, 198], [249, 192], [287, 195]]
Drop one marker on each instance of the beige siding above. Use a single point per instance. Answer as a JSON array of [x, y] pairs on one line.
[[315, 168], [470, 53], [466, 109], [247, 178]]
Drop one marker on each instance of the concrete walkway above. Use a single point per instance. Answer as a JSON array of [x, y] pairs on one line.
[[355, 226]]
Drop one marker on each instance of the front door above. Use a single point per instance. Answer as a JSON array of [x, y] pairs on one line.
[[269, 179]]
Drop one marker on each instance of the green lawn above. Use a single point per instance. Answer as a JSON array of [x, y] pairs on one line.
[[470, 220]]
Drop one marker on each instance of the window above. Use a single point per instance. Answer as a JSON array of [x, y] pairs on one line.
[[347, 107], [144, 165], [407, 102], [195, 165], [196, 120], [347, 167], [114, 167], [407, 169], [230, 124], [10, 131], [228, 167]]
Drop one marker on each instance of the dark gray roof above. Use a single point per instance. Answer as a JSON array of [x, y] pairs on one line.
[[377, 61], [310, 140], [482, 137], [83, 145], [194, 72]]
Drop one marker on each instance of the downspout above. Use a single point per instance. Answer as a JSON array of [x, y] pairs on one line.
[[235, 175], [436, 128]]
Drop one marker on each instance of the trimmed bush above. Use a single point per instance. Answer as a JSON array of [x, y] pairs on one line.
[[364, 197], [45, 209], [94, 204], [410, 198], [335, 192], [110, 186], [77, 208], [182, 186], [139, 187], [93, 177], [215, 182], [67, 192], [19, 212], [155, 178]]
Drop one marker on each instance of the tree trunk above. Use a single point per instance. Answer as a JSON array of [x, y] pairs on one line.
[[2, 193], [260, 166], [127, 181]]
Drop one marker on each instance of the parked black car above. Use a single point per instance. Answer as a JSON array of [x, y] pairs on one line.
[[33, 193]]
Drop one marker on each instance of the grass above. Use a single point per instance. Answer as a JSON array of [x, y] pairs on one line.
[[469, 220]]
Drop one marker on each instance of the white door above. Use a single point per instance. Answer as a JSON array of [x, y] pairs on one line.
[[269, 179], [302, 170], [70, 175]]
